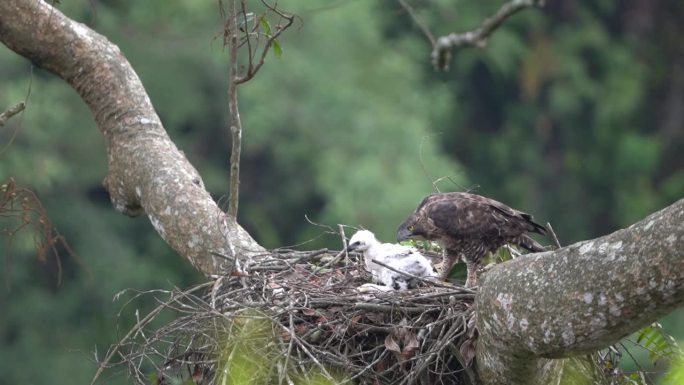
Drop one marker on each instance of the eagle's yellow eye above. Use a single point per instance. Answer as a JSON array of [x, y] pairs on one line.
[[410, 228]]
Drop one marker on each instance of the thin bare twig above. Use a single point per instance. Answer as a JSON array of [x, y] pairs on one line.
[[15, 109], [237, 33], [428, 281], [235, 124], [344, 240], [253, 68], [552, 234], [441, 50], [248, 35], [22, 210], [139, 325], [409, 9], [339, 255]]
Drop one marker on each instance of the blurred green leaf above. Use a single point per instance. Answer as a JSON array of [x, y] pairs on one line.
[[265, 25], [277, 49]]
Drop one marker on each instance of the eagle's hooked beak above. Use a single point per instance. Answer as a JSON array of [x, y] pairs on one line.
[[403, 234]]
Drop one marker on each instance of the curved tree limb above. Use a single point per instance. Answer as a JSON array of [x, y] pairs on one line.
[[147, 172], [530, 310], [441, 50], [578, 299]]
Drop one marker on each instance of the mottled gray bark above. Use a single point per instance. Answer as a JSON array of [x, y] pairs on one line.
[[578, 299], [147, 173], [530, 310]]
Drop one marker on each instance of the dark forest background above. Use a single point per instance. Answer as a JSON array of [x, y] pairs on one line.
[[574, 113]]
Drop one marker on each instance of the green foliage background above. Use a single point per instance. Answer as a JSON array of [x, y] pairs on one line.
[[574, 113]]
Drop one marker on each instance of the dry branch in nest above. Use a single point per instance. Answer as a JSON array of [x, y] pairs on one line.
[[292, 318]]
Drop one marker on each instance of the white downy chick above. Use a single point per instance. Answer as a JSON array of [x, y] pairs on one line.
[[402, 258]]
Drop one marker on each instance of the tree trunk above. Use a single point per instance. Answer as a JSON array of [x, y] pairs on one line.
[[578, 299], [147, 173], [530, 310]]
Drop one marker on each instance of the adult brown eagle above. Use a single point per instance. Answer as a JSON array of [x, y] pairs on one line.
[[468, 226]]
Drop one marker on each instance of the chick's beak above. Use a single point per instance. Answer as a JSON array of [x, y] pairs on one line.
[[351, 248]]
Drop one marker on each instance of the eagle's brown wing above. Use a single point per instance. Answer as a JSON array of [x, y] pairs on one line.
[[472, 216], [469, 225]]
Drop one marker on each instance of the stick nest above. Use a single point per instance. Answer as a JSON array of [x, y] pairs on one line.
[[297, 317]]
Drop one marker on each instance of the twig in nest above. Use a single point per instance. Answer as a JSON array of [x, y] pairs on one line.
[[552, 234], [217, 254], [330, 229], [318, 320], [138, 326], [344, 242], [339, 255], [429, 281]]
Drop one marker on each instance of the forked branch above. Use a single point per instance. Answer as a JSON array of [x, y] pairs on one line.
[[259, 39], [442, 46], [441, 51]]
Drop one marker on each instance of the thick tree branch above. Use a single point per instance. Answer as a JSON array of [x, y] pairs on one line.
[[147, 173], [530, 310], [441, 50], [579, 298]]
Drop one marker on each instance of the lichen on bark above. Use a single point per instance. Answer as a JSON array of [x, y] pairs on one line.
[[579, 298], [147, 172]]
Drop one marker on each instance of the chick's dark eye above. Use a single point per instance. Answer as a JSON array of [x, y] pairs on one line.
[[410, 228]]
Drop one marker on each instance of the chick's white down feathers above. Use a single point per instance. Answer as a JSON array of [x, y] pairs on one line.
[[402, 258]]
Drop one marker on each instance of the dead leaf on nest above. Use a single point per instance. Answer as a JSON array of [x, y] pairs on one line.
[[402, 342], [285, 335], [301, 329], [467, 348], [467, 351], [392, 345], [411, 345]]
